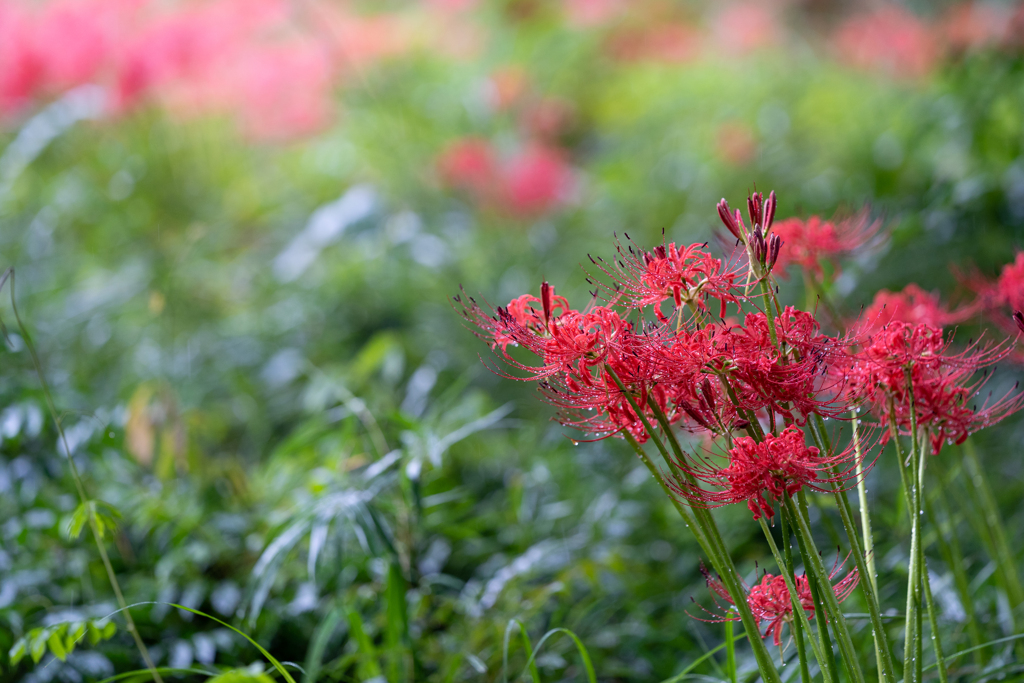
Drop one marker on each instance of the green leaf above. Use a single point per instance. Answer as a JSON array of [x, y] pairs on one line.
[[104, 515], [108, 629], [38, 646], [247, 675], [75, 632], [368, 666], [18, 651], [56, 643]]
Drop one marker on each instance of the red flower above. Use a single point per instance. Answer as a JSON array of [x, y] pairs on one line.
[[912, 305], [770, 601], [905, 366], [576, 350], [789, 379], [810, 242], [469, 164], [688, 275], [761, 474], [890, 40], [535, 181]]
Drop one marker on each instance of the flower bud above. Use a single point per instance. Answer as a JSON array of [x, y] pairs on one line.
[[727, 218], [758, 246], [769, 212], [754, 203], [774, 244], [546, 294]]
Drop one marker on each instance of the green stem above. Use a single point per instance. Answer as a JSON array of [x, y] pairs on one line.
[[730, 651], [865, 515], [949, 546], [994, 521], [79, 485], [838, 620], [769, 311], [933, 621], [711, 542], [883, 654], [799, 625], [910, 634], [829, 670], [800, 621]]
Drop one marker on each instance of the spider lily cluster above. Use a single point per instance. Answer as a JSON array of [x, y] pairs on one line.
[[695, 354]]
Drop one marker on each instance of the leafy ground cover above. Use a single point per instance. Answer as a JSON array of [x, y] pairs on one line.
[[248, 332]]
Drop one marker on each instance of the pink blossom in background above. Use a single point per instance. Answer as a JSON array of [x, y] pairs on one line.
[[735, 143], [507, 86], [548, 118], [672, 42], [469, 164], [972, 25], [268, 64], [742, 27], [283, 90], [535, 180], [529, 183], [589, 13], [890, 40], [453, 6], [912, 305], [21, 66]]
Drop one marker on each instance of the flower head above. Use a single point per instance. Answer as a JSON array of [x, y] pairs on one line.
[[770, 600], [911, 305], [907, 375], [686, 275], [761, 474], [809, 243]]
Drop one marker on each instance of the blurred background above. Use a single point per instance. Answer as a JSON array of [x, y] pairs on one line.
[[237, 226]]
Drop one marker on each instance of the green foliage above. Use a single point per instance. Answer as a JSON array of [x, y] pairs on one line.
[[104, 516], [60, 639], [316, 460]]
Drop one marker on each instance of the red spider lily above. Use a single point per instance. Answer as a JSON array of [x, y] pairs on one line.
[[810, 242], [770, 601], [469, 164], [1008, 289], [789, 379], [688, 275], [762, 474], [907, 366], [576, 350], [1002, 295], [912, 305]]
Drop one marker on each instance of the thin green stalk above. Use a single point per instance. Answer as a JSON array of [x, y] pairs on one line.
[[660, 478], [799, 625], [949, 546], [730, 651], [79, 485], [865, 515], [994, 521], [800, 620], [711, 541], [910, 633], [838, 620], [769, 311], [829, 669], [723, 566], [883, 654], [869, 543], [933, 622]]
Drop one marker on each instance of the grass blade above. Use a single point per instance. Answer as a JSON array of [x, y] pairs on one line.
[[580, 647], [534, 673]]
